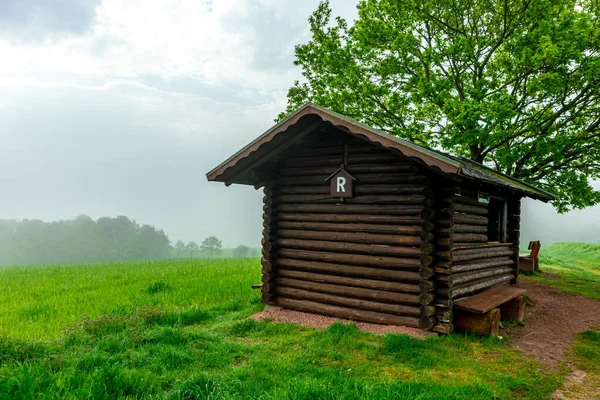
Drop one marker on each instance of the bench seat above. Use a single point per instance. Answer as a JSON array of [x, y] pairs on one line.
[[492, 298], [482, 313]]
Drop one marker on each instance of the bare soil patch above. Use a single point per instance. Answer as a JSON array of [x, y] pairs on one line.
[[322, 322], [552, 320]]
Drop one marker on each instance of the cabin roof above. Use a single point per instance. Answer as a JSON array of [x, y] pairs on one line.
[[239, 167]]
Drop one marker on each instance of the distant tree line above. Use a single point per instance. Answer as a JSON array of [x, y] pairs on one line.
[[81, 240]]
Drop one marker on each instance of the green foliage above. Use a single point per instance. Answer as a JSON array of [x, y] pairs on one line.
[[513, 83], [571, 267], [81, 240]]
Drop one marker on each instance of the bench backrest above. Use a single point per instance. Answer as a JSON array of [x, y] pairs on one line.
[[534, 246]]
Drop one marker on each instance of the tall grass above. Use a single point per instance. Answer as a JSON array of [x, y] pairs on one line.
[[38, 302], [178, 330]]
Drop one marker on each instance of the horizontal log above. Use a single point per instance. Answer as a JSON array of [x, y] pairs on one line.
[[468, 209], [353, 169], [462, 291], [390, 209], [310, 293], [350, 237], [380, 285], [348, 270], [482, 264], [478, 251], [395, 220], [462, 238], [463, 228], [378, 199], [459, 258], [463, 199], [343, 247], [463, 277], [324, 188], [346, 313], [487, 324], [411, 230], [378, 178], [464, 219], [397, 263]]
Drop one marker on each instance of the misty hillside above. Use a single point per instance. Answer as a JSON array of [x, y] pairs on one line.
[[80, 240]]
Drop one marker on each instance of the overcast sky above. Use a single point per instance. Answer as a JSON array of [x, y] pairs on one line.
[[113, 107]]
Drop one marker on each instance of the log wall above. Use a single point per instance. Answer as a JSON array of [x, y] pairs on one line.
[[367, 258], [401, 251], [466, 263]]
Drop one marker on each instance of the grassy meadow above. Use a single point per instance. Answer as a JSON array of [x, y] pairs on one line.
[[178, 330], [571, 267]]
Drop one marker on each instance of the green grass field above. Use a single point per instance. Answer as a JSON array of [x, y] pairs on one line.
[[178, 330], [571, 267]]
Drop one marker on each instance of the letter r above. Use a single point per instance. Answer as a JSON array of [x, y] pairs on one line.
[[341, 184]]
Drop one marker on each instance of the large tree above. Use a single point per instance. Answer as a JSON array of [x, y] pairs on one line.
[[514, 84]]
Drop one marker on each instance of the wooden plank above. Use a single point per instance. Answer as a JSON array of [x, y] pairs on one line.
[[492, 298]]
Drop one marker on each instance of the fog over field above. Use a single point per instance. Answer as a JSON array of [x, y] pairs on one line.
[[113, 108]]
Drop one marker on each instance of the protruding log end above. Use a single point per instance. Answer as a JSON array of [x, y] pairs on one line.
[[427, 323], [426, 298], [427, 311], [426, 273], [426, 248], [443, 328], [427, 237], [487, 324], [426, 261], [426, 286]]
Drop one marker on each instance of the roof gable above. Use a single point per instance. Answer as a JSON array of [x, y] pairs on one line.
[[239, 167]]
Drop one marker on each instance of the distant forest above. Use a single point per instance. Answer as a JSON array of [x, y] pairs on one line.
[[81, 240]]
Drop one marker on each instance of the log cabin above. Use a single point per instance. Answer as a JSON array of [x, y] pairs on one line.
[[362, 225]]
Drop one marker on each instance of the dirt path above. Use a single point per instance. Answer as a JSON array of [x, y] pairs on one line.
[[552, 322]]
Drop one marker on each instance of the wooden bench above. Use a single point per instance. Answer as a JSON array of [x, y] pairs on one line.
[[529, 262], [481, 313]]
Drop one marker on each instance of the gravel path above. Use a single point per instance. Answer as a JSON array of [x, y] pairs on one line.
[[322, 322]]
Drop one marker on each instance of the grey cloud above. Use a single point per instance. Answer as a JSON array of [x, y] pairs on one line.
[[278, 32], [197, 87], [34, 20]]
